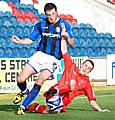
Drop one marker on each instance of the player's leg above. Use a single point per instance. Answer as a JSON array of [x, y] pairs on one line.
[[21, 83], [67, 98], [61, 87], [37, 108], [30, 68], [57, 89], [43, 76], [47, 69]]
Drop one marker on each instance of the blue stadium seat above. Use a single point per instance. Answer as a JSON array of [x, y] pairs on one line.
[[11, 31], [75, 32], [100, 42], [13, 20], [113, 41], [8, 40], [95, 41], [103, 51], [4, 18], [82, 25], [1, 23], [8, 14], [32, 50], [108, 35], [109, 50], [77, 51], [16, 52], [89, 32], [22, 24], [1, 14], [80, 42], [7, 23], [101, 35], [2, 41], [93, 32], [8, 52], [100, 51], [20, 32], [81, 32], [88, 25], [23, 6], [108, 42], [16, 2], [26, 31], [29, 24], [2, 52], [83, 51], [88, 42], [97, 51], [31, 6], [113, 50], [89, 51], [36, 13], [24, 52], [3, 31]]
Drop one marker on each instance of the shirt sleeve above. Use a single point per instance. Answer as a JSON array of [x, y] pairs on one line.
[[69, 30], [67, 60], [35, 32], [89, 93]]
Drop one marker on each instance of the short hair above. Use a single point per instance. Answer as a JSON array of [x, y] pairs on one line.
[[90, 62], [50, 6]]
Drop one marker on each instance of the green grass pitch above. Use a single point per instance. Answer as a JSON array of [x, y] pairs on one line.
[[79, 109]]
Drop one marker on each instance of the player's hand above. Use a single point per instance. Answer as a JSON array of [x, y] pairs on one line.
[[104, 110], [15, 39], [64, 34]]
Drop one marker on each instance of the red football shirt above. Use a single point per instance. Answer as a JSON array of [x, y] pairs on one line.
[[82, 82]]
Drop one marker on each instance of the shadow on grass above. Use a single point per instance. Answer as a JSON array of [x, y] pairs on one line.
[[8, 107], [77, 109]]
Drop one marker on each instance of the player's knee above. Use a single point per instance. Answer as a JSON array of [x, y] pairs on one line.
[[20, 80], [40, 81]]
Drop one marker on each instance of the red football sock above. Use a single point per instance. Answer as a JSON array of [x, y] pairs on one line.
[[41, 108]]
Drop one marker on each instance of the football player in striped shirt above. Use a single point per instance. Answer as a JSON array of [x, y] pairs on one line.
[[46, 60]]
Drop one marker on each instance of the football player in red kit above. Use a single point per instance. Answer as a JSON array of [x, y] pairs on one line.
[[74, 82]]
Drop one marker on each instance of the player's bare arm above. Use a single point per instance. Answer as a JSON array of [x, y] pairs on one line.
[[96, 107], [65, 35], [69, 40], [16, 39], [63, 47]]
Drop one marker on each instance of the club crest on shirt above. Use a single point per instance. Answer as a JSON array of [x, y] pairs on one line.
[[54, 66], [57, 29], [72, 82], [45, 27], [81, 82]]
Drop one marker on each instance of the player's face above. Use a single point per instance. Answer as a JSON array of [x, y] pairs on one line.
[[52, 15], [86, 67]]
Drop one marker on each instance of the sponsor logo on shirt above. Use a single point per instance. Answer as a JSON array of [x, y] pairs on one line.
[[52, 35]]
